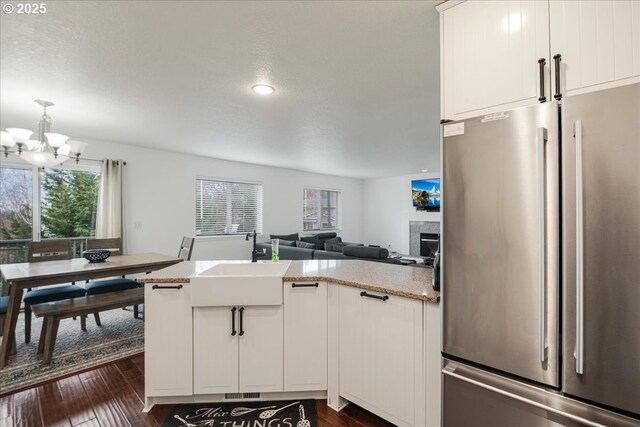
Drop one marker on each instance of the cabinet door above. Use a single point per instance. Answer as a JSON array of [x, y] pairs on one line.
[[490, 53], [381, 355], [168, 339], [305, 336], [215, 347], [261, 349], [599, 42]]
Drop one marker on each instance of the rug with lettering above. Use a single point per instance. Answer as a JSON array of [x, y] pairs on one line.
[[283, 413]]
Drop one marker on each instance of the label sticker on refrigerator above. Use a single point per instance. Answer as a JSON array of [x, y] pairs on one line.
[[495, 116], [454, 129]]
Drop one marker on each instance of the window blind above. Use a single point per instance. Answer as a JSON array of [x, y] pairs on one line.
[[227, 207]]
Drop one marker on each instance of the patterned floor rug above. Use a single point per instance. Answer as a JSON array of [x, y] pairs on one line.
[[120, 336], [284, 413]]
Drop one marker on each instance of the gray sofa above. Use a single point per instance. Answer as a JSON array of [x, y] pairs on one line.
[[318, 245]]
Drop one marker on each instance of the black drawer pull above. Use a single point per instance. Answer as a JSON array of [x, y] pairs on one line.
[[305, 285], [541, 63], [241, 310], [383, 298], [557, 58], [166, 287], [233, 321]]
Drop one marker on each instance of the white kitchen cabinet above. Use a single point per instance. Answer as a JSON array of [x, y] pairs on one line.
[[599, 42], [305, 336], [249, 360], [381, 355], [489, 56], [168, 339], [215, 350], [261, 348]]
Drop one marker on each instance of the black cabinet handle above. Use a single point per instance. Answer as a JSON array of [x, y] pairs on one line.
[[241, 310], [166, 287], [305, 285], [557, 58], [383, 297], [542, 62], [233, 322]]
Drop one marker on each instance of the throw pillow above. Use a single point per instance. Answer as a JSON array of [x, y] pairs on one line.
[[334, 247], [305, 245], [333, 240], [314, 240], [288, 243], [292, 237]]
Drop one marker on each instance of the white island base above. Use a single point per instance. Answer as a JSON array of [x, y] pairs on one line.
[[310, 340]]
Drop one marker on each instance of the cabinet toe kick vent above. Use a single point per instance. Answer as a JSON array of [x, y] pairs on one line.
[[235, 396]]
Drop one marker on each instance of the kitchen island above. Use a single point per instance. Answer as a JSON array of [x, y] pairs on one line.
[[344, 330]]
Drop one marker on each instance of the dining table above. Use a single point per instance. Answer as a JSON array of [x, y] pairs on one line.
[[28, 275]]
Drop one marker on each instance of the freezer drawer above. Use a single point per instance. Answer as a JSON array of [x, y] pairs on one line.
[[500, 248], [477, 398], [601, 176]]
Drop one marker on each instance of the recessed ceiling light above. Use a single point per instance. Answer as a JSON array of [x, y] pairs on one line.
[[263, 89], [424, 170]]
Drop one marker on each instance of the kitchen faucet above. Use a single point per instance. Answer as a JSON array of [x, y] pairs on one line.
[[254, 252]]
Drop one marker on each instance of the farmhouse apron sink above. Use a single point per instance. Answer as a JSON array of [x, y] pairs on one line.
[[239, 283]]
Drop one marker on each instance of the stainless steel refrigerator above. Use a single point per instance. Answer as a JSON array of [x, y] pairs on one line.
[[541, 264]]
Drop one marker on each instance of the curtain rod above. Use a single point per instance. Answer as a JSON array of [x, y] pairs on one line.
[[92, 160]]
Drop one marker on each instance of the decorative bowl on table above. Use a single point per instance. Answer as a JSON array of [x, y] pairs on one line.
[[96, 255]]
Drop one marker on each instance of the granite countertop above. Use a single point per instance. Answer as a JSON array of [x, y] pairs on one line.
[[404, 281]]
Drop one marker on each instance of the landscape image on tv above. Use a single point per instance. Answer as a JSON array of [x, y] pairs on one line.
[[426, 194]]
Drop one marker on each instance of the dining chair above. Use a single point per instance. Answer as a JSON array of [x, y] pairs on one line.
[[97, 287], [48, 250], [4, 305], [186, 248]]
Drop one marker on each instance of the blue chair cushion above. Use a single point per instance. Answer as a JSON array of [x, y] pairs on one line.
[[4, 304], [111, 285], [56, 293]]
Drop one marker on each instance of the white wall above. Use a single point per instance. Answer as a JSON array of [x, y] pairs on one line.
[[160, 194], [388, 208]]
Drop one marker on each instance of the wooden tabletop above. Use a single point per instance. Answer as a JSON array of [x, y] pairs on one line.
[[52, 271]]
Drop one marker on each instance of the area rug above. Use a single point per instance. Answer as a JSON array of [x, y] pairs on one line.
[[283, 413], [120, 336]]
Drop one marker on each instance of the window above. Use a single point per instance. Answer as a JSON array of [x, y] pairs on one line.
[[68, 203], [16, 203], [227, 207], [320, 209], [46, 203]]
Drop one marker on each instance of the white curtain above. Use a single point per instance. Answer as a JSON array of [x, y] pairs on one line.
[[110, 215]]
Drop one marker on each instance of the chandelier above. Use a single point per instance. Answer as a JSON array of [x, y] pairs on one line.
[[48, 149]]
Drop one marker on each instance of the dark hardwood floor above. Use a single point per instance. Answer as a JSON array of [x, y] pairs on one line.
[[113, 395]]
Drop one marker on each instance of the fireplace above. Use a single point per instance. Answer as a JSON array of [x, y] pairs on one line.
[[429, 245]]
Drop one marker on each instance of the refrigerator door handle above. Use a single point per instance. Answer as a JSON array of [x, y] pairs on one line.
[[451, 371], [577, 133], [541, 138]]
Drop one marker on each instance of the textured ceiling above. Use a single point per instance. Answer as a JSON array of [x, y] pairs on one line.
[[357, 83]]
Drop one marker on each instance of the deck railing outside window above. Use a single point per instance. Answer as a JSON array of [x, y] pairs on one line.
[[14, 251]]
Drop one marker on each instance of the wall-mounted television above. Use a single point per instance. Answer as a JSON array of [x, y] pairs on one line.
[[426, 194]]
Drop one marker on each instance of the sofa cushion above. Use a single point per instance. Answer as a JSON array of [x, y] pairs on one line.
[[287, 242], [329, 255], [365, 252], [305, 245], [327, 235], [334, 247], [290, 237], [314, 240]]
